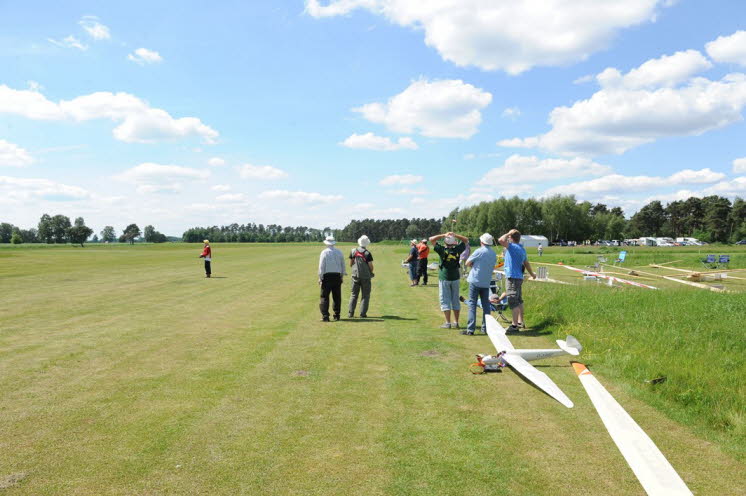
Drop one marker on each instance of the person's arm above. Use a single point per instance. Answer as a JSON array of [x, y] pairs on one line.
[[504, 241], [461, 238], [527, 264], [322, 266], [370, 266], [472, 257], [437, 237]]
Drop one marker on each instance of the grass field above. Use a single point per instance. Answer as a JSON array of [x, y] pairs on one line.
[[124, 371]]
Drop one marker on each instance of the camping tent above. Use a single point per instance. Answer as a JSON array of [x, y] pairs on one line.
[[531, 241]]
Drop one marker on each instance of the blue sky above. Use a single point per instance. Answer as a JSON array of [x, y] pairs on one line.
[[314, 113]]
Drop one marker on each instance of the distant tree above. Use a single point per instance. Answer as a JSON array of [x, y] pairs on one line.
[[617, 211], [129, 234], [79, 232], [649, 220], [94, 239], [717, 210], [737, 220], [153, 236], [16, 238], [60, 225], [412, 231], [6, 232], [29, 235], [108, 235]]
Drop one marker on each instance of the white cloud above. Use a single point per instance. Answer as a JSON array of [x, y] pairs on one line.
[[216, 162], [512, 112], [237, 197], [739, 165], [511, 36], [524, 169], [400, 179], [728, 49], [31, 190], [418, 201], [69, 42], [262, 172], [615, 183], [12, 155], [139, 122], [144, 56], [666, 71], [221, 187], [154, 178], [438, 109], [735, 187], [409, 191], [616, 118], [300, 197], [370, 141], [94, 28]]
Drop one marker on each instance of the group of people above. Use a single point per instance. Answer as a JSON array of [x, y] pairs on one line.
[[451, 249]]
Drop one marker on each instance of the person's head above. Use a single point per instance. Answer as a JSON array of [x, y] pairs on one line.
[[413, 242], [205, 241], [330, 241], [363, 241], [515, 236], [450, 240], [424, 241], [539, 245], [486, 239]]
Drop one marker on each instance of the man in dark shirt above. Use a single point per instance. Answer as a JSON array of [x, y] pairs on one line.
[[449, 275], [361, 262]]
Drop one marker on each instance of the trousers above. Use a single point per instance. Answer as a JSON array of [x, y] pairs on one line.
[[359, 285], [331, 282], [422, 270]]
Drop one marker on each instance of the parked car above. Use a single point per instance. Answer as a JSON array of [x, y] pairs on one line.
[[742, 242]]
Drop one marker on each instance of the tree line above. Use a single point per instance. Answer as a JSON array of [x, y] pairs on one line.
[[255, 233], [562, 217]]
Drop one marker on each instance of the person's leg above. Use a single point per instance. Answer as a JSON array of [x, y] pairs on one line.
[[472, 302], [365, 285], [519, 295], [484, 294], [445, 305], [324, 298], [423, 270], [337, 296], [413, 273], [454, 288], [353, 296], [208, 269], [511, 289]]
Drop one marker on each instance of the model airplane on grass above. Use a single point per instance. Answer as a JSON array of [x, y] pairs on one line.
[[518, 359]]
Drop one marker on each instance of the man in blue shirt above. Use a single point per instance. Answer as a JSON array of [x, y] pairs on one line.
[[515, 261], [482, 263]]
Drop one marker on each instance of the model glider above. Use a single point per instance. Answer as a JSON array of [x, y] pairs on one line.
[[518, 359], [610, 278], [656, 475]]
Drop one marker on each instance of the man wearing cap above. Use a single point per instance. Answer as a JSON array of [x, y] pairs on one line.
[[412, 261], [515, 261], [207, 255], [422, 253], [331, 271], [482, 263], [361, 262], [449, 275]]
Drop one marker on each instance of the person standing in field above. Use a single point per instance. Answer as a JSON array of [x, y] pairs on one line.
[[540, 249], [422, 253], [412, 260], [515, 261], [482, 263], [207, 255], [361, 262], [449, 275], [331, 273], [464, 257]]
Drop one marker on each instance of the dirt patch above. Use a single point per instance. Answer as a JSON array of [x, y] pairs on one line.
[[11, 480], [302, 373], [430, 353]]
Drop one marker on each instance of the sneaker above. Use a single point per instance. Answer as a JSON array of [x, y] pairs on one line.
[[335, 318], [511, 328], [455, 326], [462, 299], [467, 333], [324, 319], [351, 315], [522, 325], [445, 325], [363, 315]]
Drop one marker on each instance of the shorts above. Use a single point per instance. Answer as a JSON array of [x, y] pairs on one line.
[[448, 291], [514, 292]]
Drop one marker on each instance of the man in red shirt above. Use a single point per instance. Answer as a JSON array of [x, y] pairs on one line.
[[422, 253], [207, 255]]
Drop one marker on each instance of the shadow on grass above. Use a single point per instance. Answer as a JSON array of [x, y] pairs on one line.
[[217, 277], [368, 319], [394, 317]]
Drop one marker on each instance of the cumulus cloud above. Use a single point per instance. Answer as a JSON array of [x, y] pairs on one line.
[[300, 197], [221, 187], [410, 191], [400, 179], [617, 183], [236, 197], [653, 101], [370, 141], [31, 189], [144, 56], [739, 165], [12, 155], [735, 187], [262, 172], [69, 42], [216, 162], [512, 112], [94, 28], [150, 177], [527, 169], [728, 49], [139, 122], [438, 109], [511, 36]]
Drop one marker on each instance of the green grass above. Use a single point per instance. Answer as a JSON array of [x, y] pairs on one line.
[[124, 371]]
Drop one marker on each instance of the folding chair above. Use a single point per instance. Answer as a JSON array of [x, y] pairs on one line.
[[723, 261], [622, 257], [709, 262]]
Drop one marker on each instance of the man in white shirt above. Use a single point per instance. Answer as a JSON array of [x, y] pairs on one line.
[[331, 271]]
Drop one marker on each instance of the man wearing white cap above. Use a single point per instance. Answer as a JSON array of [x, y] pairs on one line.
[[412, 260], [482, 263], [449, 275], [361, 262], [331, 271]]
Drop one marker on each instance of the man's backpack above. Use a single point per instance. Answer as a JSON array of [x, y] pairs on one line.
[[360, 268]]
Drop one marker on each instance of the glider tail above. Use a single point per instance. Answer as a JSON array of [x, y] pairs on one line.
[[571, 346]]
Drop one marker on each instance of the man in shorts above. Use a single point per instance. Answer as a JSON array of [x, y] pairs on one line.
[[515, 261], [449, 275]]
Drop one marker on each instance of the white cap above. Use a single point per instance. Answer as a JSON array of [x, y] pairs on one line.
[[329, 241], [424, 240], [414, 242], [363, 241], [450, 240], [486, 238]]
